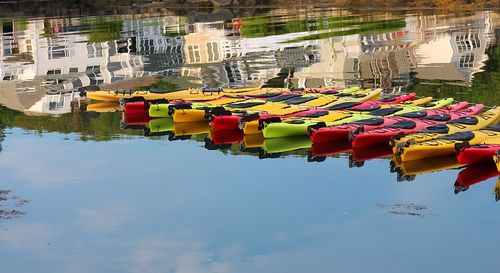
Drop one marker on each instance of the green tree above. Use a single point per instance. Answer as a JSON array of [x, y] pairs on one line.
[[104, 31], [87, 125], [6, 118]]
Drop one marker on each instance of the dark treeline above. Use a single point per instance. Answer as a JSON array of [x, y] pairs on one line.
[[51, 8], [68, 7], [88, 125], [485, 86], [442, 4], [13, 8]]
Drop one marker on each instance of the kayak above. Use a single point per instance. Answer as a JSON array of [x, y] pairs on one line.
[[341, 132], [139, 107], [408, 170], [445, 145], [306, 101], [272, 96], [395, 110], [231, 121], [196, 112], [474, 174], [487, 118], [191, 114], [370, 104], [311, 100], [476, 153], [166, 109], [249, 123], [313, 116], [382, 135], [195, 94], [299, 125], [273, 105]]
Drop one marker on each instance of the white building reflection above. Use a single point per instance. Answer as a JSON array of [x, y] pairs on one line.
[[43, 62]]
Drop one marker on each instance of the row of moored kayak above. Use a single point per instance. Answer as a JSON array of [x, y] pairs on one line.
[[324, 120]]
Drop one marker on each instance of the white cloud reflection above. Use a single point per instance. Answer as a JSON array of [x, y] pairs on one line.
[[106, 217], [44, 163]]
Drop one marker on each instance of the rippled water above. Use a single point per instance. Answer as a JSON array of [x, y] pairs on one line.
[[81, 193]]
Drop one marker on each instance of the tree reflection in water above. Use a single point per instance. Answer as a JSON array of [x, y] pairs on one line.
[[9, 205]]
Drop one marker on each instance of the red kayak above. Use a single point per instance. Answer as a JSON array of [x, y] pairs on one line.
[[474, 174], [136, 107], [139, 105], [227, 121], [472, 154], [342, 132], [403, 127], [222, 119], [371, 104]]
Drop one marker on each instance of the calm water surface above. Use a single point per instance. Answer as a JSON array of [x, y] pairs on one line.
[[81, 192]]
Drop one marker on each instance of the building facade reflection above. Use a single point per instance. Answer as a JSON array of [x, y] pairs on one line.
[[40, 59]]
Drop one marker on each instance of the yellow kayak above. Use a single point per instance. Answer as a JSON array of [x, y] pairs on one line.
[[445, 145], [341, 116], [195, 94], [291, 105], [192, 94], [286, 108], [487, 118], [252, 127], [299, 125], [307, 100], [166, 109]]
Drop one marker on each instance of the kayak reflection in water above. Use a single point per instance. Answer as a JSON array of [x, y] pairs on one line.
[[474, 174], [496, 190]]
